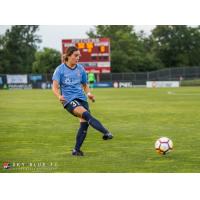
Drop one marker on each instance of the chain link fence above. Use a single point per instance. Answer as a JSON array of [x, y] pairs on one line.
[[138, 78]]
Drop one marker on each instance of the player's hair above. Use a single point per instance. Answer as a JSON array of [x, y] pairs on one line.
[[69, 52]]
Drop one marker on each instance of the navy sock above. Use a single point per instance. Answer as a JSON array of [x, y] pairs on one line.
[[80, 137], [94, 122]]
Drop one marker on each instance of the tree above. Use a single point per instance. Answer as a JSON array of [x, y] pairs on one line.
[[1, 55], [128, 53], [176, 45], [46, 60], [18, 47]]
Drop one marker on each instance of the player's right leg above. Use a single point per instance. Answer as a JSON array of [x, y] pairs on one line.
[[80, 137]]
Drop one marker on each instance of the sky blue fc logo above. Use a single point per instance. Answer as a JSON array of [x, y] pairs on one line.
[[7, 165]]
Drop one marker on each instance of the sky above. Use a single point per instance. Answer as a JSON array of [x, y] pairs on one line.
[[52, 35]]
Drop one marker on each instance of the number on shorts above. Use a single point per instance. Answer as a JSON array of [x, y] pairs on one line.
[[74, 103]]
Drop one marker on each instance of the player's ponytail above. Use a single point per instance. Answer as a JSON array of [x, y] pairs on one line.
[[69, 52]]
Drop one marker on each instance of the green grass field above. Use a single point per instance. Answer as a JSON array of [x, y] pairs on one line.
[[34, 128]]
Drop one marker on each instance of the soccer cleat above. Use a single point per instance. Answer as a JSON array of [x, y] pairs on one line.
[[77, 153], [108, 136]]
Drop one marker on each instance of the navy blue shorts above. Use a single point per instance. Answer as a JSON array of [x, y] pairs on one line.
[[75, 103]]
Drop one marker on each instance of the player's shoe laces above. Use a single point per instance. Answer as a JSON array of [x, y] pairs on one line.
[[108, 136], [77, 152]]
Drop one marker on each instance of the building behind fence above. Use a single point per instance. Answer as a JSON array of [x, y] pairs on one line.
[[138, 78]]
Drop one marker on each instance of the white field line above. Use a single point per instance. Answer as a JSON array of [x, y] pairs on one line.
[[184, 94]]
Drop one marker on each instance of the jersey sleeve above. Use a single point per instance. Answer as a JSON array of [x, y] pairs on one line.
[[56, 75], [84, 77]]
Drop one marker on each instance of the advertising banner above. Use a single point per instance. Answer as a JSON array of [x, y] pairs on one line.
[[15, 79], [161, 84]]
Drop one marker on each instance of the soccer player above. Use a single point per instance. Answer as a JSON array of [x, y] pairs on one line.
[[70, 86], [91, 79]]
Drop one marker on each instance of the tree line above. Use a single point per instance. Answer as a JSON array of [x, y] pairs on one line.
[[166, 46]]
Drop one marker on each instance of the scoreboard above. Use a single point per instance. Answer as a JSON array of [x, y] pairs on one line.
[[95, 53]]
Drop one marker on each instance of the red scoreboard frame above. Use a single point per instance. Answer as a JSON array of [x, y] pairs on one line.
[[95, 53]]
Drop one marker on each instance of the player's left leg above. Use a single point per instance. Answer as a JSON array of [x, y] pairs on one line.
[[84, 114]]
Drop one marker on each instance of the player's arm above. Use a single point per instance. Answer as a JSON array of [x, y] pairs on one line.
[[88, 92], [56, 91]]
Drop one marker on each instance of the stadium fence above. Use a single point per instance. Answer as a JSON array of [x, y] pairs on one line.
[[186, 75]]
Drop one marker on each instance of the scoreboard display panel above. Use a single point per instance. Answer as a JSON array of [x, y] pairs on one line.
[[95, 53]]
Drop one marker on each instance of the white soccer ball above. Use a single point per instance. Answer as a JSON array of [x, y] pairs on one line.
[[163, 145]]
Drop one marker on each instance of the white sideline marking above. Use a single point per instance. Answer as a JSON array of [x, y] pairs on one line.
[[187, 94]]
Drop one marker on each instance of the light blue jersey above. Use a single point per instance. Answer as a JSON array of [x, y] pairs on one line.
[[70, 81]]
